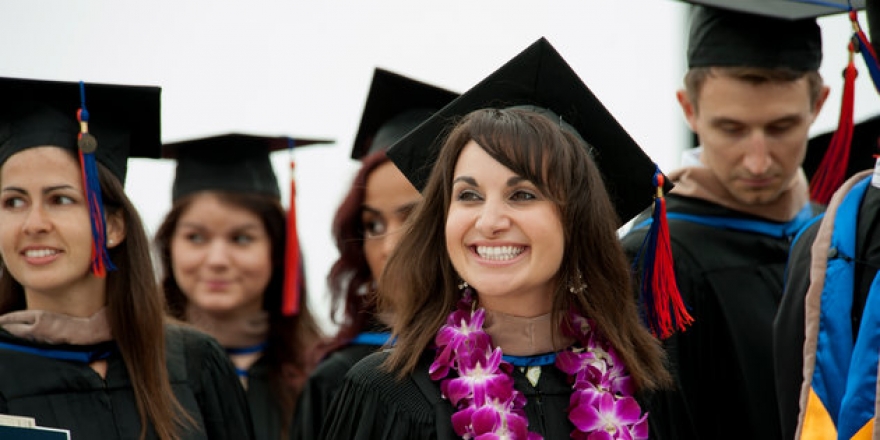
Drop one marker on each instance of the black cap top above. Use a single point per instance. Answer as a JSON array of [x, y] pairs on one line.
[[723, 38], [123, 119], [785, 9], [395, 105], [230, 162], [865, 144], [539, 76]]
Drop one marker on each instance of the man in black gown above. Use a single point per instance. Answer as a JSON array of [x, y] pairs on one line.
[[751, 93]]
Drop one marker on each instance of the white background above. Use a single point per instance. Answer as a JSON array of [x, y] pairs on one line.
[[302, 68]]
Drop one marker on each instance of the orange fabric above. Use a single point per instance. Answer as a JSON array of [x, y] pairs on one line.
[[817, 422], [867, 431]]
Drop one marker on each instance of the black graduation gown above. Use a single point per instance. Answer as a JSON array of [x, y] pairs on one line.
[[789, 326], [722, 365], [265, 411], [372, 404], [323, 384], [70, 395]]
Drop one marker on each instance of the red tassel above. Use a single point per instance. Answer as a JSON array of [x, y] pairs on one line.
[[832, 170], [290, 296], [664, 309]]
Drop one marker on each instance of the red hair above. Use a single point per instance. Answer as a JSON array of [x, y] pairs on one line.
[[350, 279]]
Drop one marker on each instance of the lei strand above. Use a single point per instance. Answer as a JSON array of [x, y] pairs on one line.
[[487, 405]]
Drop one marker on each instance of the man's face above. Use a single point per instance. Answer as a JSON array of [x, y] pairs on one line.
[[754, 136]]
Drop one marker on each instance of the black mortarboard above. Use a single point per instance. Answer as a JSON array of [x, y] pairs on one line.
[[123, 119], [785, 9], [539, 76], [726, 38], [395, 105], [230, 162], [863, 147]]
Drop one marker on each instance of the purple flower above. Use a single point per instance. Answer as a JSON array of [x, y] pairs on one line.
[[490, 408], [478, 379], [461, 422], [462, 329], [606, 417], [572, 362]]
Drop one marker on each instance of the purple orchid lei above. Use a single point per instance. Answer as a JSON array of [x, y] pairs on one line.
[[489, 408]]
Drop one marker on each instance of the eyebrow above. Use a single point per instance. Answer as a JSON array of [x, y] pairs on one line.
[[466, 179], [513, 180], [201, 226], [370, 209], [407, 207], [46, 190], [400, 209], [794, 117]]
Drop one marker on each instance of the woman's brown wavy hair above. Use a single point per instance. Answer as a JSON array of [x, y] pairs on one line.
[[420, 285]]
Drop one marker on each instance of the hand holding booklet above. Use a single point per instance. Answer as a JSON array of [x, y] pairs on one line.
[[25, 428]]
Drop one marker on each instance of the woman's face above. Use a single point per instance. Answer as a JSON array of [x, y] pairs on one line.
[[45, 228], [221, 257], [503, 236], [389, 200]]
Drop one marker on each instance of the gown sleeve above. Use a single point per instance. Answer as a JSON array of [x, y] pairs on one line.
[[322, 385], [373, 404]]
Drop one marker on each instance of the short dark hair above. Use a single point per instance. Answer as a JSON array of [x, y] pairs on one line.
[[696, 77]]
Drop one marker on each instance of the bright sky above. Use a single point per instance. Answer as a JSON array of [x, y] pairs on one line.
[[300, 68]]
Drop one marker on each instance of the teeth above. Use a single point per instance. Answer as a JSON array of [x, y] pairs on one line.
[[39, 253], [500, 253]]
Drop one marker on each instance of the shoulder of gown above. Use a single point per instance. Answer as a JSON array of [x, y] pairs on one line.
[[374, 404], [320, 388]]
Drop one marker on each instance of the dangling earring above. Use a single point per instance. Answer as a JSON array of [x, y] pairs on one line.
[[578, 286], [463, 285]]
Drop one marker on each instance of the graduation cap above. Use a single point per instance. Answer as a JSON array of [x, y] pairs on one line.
[[229, 162], [240, 163], [731, 35], [785, 9], [123, 119], [395, 105], [539, 76], [864, 146], [98, 122]]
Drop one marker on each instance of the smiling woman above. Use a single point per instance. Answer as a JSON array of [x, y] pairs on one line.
[[83, 337], [518, 320], [50, 267], [504, 236], [223, 269]]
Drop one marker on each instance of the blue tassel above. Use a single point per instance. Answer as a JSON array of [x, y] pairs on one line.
[[87, 145]]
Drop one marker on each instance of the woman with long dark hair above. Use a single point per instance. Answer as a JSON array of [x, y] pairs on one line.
[[83, 337], [223, 258], [512, 299]]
